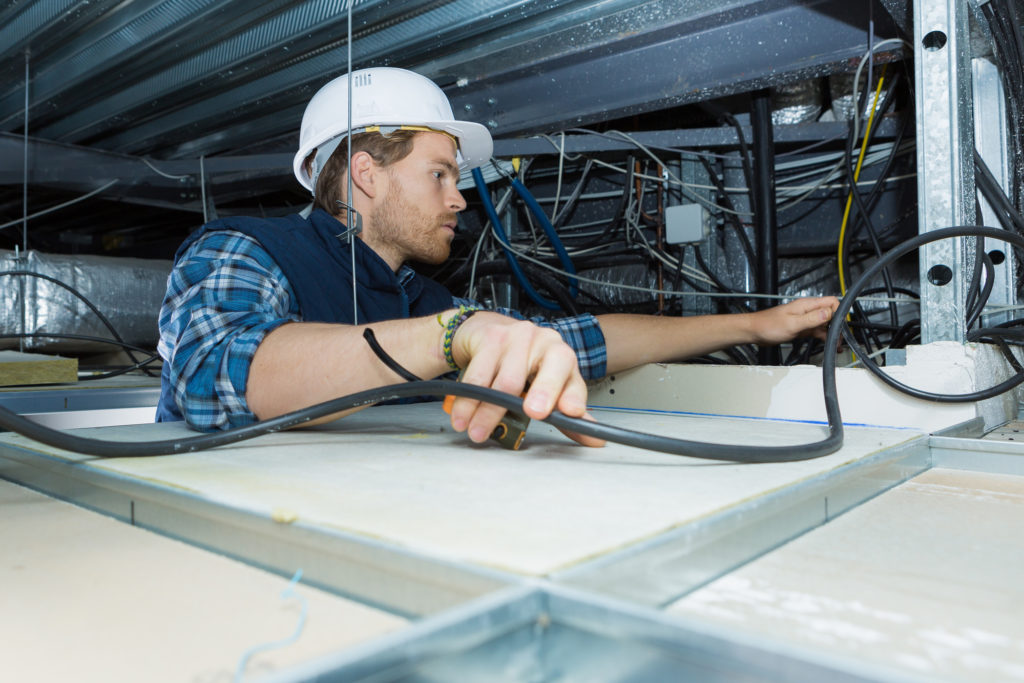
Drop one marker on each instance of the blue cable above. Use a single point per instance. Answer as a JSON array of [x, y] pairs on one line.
[[513, 263], [549, 229]]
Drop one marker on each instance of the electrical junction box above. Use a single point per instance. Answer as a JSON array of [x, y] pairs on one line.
[[686, 223]]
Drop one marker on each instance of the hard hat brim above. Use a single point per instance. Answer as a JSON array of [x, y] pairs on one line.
[[475, 144]]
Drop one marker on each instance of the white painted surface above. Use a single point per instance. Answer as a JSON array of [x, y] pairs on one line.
[[926, 577], [78, 419], [795, 393], [84, 597], [400, 475]]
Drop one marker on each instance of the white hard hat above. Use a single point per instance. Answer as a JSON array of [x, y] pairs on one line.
[[385, 97]]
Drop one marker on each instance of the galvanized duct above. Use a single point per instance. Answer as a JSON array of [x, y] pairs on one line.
[[128, 291], [797, 102]]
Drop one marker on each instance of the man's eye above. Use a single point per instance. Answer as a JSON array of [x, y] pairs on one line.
[[436, 174]]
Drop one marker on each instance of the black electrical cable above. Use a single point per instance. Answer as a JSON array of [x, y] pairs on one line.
[[863, 215], [151, 357], [1016, 322], [654, 442], [1008, 216], [620, 213], [676, 303], [813, 346], [808, 147], [986, 291], [910, 331], [120, 371], [823, 263], [883, 176], [796, 352], [544, 278], [547, 281], [974, 289], [77, 337], [732, 217], [721, 286], [707, 360], [1004, 348], [1015, 71], [92, 307], [693, 284], [745, 157], [570, 203], [890, 257], [1008, 47], [866, 333], [874, 194], [897, 290], [712, 451], [375, 346]]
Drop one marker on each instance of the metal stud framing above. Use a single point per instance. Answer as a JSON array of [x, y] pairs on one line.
[[945, 174]]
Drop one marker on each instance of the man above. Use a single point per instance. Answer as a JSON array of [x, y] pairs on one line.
[[258, 318]]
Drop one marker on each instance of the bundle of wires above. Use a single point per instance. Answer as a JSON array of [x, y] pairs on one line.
[[1004, 22], [630, 234]]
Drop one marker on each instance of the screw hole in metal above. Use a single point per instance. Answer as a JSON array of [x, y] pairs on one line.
[[940, 275], [934, 40]]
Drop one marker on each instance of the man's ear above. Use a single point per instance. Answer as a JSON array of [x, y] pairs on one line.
[[365, 174]]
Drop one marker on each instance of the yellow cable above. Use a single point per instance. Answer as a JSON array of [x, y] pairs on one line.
[[856, 175]]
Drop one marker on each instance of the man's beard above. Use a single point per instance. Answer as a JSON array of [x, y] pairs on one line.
[[402, 228]]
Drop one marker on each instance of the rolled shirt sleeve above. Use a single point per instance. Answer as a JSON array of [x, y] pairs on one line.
[[581, 332], [224, 296]]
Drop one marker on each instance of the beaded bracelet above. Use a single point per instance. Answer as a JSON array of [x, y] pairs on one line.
[[461, 316]]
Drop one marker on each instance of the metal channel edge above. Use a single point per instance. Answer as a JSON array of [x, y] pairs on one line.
[[726, 651], [398, 655], [666, 567], [977, 455], [540, 631], [75, 398], [389, 577]]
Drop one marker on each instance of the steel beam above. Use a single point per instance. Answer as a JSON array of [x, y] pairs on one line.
[[690, 54], [75, 166], [991, 135], [945, 171]]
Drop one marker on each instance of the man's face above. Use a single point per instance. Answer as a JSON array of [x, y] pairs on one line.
[[415, 219]]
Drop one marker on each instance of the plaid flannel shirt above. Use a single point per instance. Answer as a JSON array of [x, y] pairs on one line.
[[226, 294]]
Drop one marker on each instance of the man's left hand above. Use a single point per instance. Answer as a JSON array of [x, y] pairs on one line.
[[800, 318]]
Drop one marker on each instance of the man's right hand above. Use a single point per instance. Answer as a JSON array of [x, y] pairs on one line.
[[507, 355]]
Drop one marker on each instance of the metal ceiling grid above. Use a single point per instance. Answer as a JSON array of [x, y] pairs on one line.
[[183, 78]]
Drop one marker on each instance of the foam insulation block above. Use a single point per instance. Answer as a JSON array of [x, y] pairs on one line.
[[795, 393]]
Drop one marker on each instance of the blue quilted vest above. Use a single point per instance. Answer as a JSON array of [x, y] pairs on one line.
[[319, 269]]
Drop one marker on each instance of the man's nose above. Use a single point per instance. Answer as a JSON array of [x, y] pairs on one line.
[[456, 201]]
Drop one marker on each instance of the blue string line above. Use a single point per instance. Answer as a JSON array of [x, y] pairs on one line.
[[288, 592]]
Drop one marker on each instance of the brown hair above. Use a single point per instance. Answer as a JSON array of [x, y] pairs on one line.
[[385, 150]]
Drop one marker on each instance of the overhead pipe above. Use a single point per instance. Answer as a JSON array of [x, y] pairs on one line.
[[766, 221]]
